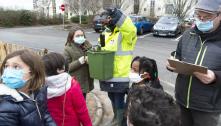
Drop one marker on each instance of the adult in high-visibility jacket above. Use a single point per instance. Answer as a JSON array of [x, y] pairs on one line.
[[121, 40]]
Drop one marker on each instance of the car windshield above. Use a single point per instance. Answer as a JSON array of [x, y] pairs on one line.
[[98, 17], [168, 20], [134, 19]]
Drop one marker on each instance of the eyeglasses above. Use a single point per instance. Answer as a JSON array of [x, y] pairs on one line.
[[207, 17]]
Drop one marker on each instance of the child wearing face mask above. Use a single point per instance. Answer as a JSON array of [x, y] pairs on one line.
[[65, 99], [23, 95], [144, 71], [75, 53]]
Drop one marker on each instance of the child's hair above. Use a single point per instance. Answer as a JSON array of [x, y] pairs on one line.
[[152, 107], [147, 65], [137, 58], [54, 61], [150, 66], [36, 67]]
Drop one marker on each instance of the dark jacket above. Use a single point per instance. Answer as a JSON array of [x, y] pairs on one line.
[[73, 52], [205, 50], [16, 109], [154, 84]]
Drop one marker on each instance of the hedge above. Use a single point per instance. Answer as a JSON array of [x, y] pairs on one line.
[[84, 19], [10, 18]]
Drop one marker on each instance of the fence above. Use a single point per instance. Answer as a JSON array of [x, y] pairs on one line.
[[7, 48]]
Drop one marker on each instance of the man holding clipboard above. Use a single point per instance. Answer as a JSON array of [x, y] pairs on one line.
[[198, 91]]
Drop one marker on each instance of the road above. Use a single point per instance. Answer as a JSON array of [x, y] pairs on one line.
[[53, 38]]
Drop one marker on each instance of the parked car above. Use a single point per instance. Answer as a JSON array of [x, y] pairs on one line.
[[167, 26], [97, 23], [142, 23]]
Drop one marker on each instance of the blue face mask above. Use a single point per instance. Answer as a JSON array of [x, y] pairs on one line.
[[204, 26], [13, 78], [79, 40]]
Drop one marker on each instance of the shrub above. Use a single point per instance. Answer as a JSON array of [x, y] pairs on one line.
[[10, 18], [26, 18], [84, 19]]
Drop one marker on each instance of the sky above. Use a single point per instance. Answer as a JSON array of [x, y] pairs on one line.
[[17, 4]]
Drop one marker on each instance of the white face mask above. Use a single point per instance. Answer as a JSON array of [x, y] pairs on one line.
[[135, 77], [79, 40]]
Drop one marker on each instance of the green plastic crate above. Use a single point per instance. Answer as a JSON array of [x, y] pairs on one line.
[[101, 64]]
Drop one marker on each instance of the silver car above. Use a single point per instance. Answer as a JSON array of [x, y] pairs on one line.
[[167, 26]]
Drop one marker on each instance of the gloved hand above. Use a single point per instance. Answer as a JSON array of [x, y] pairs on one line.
[[82, 60]]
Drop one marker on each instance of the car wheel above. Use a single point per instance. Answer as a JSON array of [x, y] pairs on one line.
[[141, 31]]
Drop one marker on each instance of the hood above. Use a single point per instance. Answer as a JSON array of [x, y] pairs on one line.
[[4, 90], [58, 84], [165, 26]]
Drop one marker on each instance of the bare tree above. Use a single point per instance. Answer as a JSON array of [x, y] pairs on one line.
[[136, 6], [94, 6], [119, 3], [181, 7], [74, 5]]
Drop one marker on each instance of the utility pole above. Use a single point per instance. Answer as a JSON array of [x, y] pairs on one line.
[[80, 11], [54, 8]]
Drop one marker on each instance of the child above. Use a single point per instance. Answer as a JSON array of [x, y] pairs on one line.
[[144, 71], [151, 107], [23, 95], [65, 99]]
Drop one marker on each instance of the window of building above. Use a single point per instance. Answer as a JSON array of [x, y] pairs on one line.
[[169, 8]]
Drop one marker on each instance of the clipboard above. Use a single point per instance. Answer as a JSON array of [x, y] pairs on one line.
[[186, 68]]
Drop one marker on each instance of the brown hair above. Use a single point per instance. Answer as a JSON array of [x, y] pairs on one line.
[[71, 35], [52, 62], [36, 67]]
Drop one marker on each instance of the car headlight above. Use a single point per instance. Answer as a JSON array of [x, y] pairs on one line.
[[173, 28], [155, 27]]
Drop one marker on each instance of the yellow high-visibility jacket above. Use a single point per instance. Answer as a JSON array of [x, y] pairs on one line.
[[122, 41]]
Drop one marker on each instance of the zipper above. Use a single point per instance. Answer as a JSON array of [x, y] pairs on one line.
[[36, 104], [191, 77]]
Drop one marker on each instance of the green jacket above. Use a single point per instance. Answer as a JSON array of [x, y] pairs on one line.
[[81, 71]]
